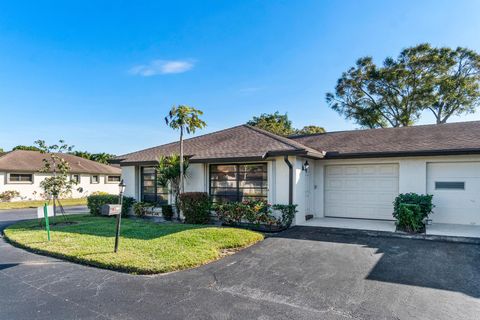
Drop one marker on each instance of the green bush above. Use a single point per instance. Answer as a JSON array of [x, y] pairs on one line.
[[141, 209], [195, 207], [411, 209], [95, 203], [167, 211], [257, 212]]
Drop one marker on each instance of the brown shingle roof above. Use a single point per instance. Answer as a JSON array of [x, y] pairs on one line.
[[451, 138], [32, 161], [240, 142]]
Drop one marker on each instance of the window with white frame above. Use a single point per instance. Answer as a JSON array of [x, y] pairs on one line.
[[76, 178], [20, 178], [94, 179], [113, 179]]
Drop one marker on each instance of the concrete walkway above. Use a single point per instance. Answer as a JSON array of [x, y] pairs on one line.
[[299, 274]]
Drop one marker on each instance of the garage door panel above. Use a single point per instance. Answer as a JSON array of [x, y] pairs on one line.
[[361, 191], [458, 206]]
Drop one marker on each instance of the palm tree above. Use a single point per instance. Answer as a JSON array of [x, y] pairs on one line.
[[186, 119]]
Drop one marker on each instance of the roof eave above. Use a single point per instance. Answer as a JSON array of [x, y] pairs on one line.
[[419, 153]]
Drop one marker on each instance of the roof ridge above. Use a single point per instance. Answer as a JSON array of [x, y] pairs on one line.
[[290, 142], [292, 137]]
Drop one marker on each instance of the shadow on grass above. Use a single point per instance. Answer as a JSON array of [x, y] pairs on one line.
[[431, 264], [105, 227]]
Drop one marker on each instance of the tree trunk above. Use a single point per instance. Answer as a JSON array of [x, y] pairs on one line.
[[181, 169]]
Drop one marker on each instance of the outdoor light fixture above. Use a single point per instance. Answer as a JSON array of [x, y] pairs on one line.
[[305, 166], [121, 189]]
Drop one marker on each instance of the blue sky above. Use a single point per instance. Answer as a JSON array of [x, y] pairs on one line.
[[103, 74]]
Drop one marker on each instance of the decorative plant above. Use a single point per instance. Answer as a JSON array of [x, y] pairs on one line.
[[195, 207], [8, 195], [167, 211], [170, 171], [141, 209], [411, 209]]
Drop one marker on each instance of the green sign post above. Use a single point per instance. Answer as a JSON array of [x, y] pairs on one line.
[[47, 224]]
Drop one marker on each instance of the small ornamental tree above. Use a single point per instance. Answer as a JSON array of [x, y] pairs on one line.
[[59, 184], [169, 173]]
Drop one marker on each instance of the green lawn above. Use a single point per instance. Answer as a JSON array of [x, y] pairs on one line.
[[145, 247], [38, 203]]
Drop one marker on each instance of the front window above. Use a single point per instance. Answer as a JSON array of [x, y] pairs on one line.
[[94, 180], [76, 178], [20, 178], [113, 179], [238, 182], [151, 189]]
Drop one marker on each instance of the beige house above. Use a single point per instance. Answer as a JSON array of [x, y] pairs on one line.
[[19, 171]]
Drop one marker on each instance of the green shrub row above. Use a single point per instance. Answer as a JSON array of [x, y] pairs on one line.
[[411, 209], [95, 203]]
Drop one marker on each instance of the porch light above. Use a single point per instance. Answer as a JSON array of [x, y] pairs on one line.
[[121, 187], [305, 166]]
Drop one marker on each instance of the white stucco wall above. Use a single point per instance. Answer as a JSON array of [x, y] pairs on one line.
[[130, 178], [33, 191], [412, 173]]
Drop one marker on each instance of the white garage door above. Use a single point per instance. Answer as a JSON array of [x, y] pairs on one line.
[[361, 191], [456, 192]]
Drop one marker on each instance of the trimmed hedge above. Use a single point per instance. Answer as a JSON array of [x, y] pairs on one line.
[[95, 203], [167, 212], [411, 209], [195, 207]]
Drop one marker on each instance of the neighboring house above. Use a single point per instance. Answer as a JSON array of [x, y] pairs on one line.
[[348, 174], [19, 171]]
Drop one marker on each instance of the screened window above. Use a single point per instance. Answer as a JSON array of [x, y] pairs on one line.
[[113, 179], [455, 185], [151, 189], [20, 177], [238, 182]]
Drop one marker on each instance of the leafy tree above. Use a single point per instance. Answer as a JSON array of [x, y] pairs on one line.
[[186, 119], [456, 87], [442, 80], [98, 157], [1, 150], [27, 148], [59, 184], [275, 123], [310, 130], [170, 171]]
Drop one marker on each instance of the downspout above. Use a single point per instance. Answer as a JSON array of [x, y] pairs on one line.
[[290, 180]]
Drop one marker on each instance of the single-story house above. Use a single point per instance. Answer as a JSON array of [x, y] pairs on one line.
[[19, 171], [347, 174]]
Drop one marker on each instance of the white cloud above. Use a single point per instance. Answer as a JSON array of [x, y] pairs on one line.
[[157, 67]]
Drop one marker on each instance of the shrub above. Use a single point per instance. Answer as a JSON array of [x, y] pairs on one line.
[[257, 212], [167, 211], [8, 195], [99, 193], [410, 209], [141, 209], [195, 207], [95, 203]]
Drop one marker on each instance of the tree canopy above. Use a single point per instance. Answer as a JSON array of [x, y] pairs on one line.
[[444, 81], [101, 157], [27, 148], [281, 125]]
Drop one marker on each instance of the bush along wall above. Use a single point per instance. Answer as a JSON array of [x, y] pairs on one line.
[[195, 207], [256, 214], [95, 203], [411, 210]]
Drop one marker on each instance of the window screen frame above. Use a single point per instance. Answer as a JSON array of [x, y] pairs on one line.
[[9, 181], [238, 188]]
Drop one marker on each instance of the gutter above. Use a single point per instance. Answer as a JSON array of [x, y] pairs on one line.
[[290, 180]]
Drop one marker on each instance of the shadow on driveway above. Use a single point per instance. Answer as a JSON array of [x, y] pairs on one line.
[[432, 264]]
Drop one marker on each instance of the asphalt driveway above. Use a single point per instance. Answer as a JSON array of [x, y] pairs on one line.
[[305, 273]]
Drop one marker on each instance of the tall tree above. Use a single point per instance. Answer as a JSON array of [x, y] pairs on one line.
[[442, 80], [186, 119], [310, 130], [274, 122], [456, 88]]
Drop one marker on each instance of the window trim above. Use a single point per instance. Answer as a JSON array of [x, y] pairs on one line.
[[20, 182], [73, 175], [450, 188], [238, 188], [112, 182], [98, 179]]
